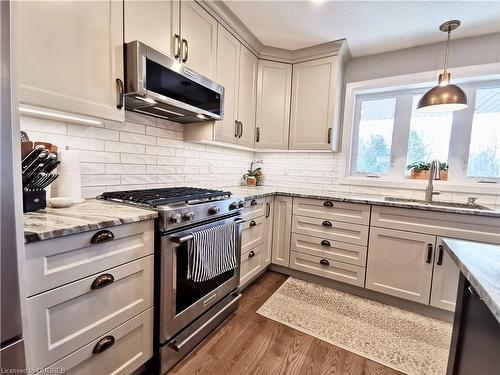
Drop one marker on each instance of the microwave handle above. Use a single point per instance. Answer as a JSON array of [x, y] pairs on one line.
[[183, 239]]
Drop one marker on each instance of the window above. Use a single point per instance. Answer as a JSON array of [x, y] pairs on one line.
[[389, 134]]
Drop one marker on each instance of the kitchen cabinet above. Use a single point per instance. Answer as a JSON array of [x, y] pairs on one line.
[[273, 105], [268, 234], [154, 23], [69, 56], [247, 96], [198, 38], [315, 106], [400, 263], [444, 279], [282, 225]]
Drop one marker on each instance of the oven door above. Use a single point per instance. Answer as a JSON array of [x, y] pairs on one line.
[[183, 300]]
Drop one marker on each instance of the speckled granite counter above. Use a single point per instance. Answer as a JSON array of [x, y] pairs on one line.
[[480, 264], [262, 191], [89, 215]]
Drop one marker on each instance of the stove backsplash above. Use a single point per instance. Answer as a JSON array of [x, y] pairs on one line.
[[143, 152]]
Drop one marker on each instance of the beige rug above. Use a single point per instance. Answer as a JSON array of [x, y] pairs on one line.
[[405, 341]]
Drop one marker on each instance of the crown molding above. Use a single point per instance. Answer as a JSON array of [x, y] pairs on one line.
[[230, 21]]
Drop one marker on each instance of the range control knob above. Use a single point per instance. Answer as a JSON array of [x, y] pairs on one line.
[[214, 210], [175, 218], [241, 204], [233, 206], [188, 216]]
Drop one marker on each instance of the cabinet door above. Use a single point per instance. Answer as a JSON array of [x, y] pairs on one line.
[[444, 279], [268, 230], [273, 105], [282, 225], [400, 263], [69, 55], [313, 104], [228, 57], [247, 97], [154, 23], [199, 30]]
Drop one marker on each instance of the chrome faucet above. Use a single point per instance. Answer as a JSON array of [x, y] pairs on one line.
[[434, 174]]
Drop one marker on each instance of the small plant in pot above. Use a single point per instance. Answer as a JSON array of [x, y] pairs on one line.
[[420, 170], [254, 175]]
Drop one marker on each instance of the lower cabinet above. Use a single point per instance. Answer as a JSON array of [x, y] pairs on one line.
[[282, 227], [400, 263], [444, 279], [252, 262]]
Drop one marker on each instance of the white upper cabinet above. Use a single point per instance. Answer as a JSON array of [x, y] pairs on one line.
[[69, 56], [228, 64], [273, 105], [155, 23], [313, 118], [247, 97], [198, 39]]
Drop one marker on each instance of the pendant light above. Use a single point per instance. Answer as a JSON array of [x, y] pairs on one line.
[[445, 97]]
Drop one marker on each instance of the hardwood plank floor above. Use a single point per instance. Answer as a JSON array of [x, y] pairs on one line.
[[247, 343]]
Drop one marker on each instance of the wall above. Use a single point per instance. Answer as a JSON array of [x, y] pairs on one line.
[[142, 152]]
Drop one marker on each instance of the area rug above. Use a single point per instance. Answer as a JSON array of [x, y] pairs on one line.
[[403, 340]]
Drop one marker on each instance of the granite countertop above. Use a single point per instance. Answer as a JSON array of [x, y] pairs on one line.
[[262, 191], [90, 215], [480, 264]]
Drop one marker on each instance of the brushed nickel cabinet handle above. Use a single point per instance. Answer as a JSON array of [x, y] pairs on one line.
[[268, 210], [102, 280], [241, 129], [236, 130], [251, 254], [328, 204], [329, 135], [257, 134], [429, 253], [327, 223], [185, 50], [253, 223], [326, 243], [177, 45], [324, 262], [121, 93], [102, 236], [103, 344], [440, 255]]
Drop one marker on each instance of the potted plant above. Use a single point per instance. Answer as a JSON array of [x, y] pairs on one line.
[[420, 170], [254, 175]]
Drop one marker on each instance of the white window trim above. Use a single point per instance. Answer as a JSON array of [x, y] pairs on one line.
[[464, 74]]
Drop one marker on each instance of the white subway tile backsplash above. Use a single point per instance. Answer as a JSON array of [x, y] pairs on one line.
[[159, 132], [137, 138], [99, 157], [124, 147], [100, 180], [138, 179], [138, 159], [126, 127], [92, 168], [76, 143], [92, 132], [125, 169], [160, 169], [39, 125]]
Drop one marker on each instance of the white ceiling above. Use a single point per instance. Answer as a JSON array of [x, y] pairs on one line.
[[369, 26]]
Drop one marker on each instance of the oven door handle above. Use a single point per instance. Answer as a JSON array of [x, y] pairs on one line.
[[183, 239], [178, 346]]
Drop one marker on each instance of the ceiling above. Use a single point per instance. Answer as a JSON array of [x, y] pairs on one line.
[[369, 26]]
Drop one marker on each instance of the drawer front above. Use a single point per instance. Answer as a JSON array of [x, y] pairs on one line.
[[252, 234], [52, 263], [463, 226], [254, 208], [67, 318], [355, 213], [328, 268], [133, 346], [251, 264], [334, 230], [329, 248]]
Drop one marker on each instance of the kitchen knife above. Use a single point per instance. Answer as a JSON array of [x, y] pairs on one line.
[[50, 180], [31, 156], [36, 180], [50, 166], [28, 176]]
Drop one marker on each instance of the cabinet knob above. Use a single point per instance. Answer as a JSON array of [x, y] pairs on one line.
[[324, 262], [326, 243], [102, 236], [102, 280], [253, 223], [103, 344], [328, 204], [253, 202], [251, 254], [327, 223]]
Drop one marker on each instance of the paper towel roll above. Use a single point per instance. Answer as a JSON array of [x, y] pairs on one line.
[[69, 182]]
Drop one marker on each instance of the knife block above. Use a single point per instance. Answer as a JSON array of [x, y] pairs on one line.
[[34, 200]]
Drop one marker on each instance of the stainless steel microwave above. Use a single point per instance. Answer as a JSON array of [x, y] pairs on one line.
[[160, 86]]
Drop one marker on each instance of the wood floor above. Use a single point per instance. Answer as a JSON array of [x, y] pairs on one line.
[[247, 343]]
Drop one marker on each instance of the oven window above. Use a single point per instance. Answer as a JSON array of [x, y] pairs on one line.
[[188, 291], [173, 85]]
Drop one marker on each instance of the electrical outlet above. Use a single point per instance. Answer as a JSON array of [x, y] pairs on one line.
[[212, 167]]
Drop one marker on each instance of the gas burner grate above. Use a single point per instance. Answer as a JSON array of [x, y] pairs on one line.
[[158, 197]]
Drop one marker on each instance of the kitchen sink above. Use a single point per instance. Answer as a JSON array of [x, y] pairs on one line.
[[470, 206]]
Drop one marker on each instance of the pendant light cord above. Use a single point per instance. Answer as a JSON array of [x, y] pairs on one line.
[[446, 50]]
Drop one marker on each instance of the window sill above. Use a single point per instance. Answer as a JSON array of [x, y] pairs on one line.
[[404, 183]]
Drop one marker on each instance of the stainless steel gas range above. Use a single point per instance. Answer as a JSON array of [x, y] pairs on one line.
[[188, 310]]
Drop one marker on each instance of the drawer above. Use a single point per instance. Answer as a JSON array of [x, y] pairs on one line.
[[55, 262], [355, 213], [254, 208], [133, 346], [252, 234], [444, 224], [329, 248], [331, 269], [334, 230], [251, 264], [64, 319]]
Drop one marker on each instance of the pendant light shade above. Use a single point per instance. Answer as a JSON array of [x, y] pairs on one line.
[[445, 97]]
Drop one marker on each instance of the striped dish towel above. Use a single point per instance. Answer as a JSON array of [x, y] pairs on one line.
[[212, 252]]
